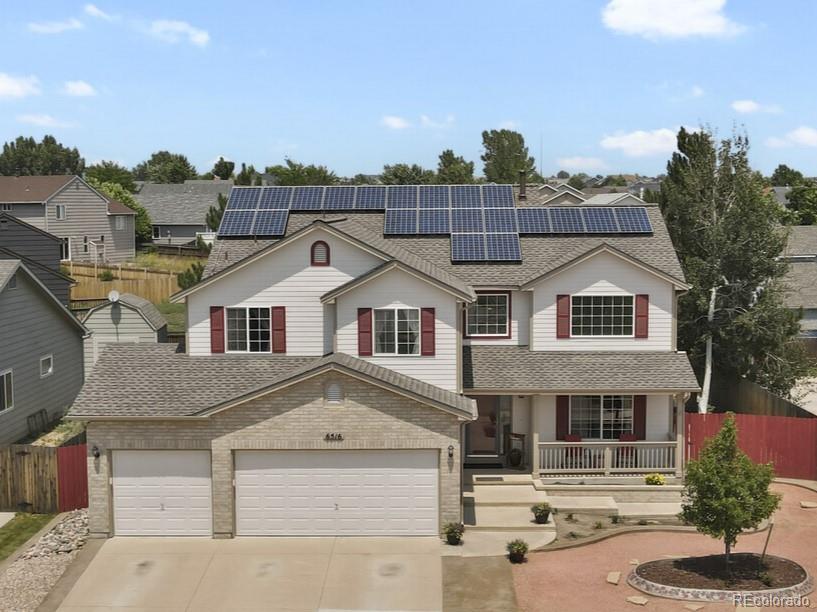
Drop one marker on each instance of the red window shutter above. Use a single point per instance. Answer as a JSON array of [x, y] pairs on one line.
[[279, 329], [427, 325], [562, 416], [563, 316], [640, 416], [642, 316], [364, 332], [216, 329]]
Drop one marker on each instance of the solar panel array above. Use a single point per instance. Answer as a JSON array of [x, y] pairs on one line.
[[584, 220]]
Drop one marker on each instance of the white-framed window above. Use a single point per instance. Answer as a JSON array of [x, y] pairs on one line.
[[12, 284], [248, 330], [489, 316], [602, 315], [60, 212], [6, 390], [6, 207], [119, 223], [601, 417], [46, 366], [65, 249], [157, 232], [397, 331], [85, 244]]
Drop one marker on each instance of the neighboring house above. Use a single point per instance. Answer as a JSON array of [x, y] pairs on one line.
[[178, 211], [801, 280], [348, 356], [91, 226], [123, 319], [39, 250], [781, 195], [41, 356]]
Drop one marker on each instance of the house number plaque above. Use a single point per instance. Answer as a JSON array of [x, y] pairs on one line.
[[333, 437]]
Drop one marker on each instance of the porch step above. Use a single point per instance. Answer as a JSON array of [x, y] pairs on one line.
[[573, 479], [502, 479], [622, 493], [506, 518], [506, 496], [585, 504], [649, 510]]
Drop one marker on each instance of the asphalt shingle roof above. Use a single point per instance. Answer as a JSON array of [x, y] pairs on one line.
[[802, 240], [145, 308], [181, 203], [518, 368], [21, 189], [801, 285]]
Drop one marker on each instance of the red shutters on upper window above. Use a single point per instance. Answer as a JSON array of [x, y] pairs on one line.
[[427, 325], [216, 329], [279, 329], [640, 416], [364, 332], [562, 416], [563, 316], [642, 315]]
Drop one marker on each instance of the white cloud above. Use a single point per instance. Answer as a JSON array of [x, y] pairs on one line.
[[803, 136], [750, 106], [697, 91], [55, 27], [656, 19], [508, 124], [581, 163], [428, 122], [93, 10], [42, 120], [641, 143], [18, 87], [177, 31], [393, 122], [79, 89]]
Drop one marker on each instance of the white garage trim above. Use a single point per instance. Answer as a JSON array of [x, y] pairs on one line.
[[343, 492], [162, 493]]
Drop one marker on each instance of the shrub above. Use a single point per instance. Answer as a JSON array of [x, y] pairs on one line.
[[106, 275], [598, 525], [453, 532], [517, 549], [541, 512], [615, 518], [655, 479], [191, 276]]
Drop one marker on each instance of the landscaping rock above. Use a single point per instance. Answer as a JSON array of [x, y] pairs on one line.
[[808, 504], [67, 536], [694, 607], [638, 600], [633, 561], [613, 577]]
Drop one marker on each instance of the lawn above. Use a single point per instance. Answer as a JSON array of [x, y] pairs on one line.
[[174, 313], [18, 530], [170, 263]]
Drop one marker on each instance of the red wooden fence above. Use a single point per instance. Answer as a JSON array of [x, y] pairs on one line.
[[72, 476], [789, 443]]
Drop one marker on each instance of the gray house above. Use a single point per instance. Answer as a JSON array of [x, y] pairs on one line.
[[91, 226], [178, 211], [123, 319], [41, 357], [801, 280]]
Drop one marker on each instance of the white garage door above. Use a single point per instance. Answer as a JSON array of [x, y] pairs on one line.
[[336, 492], [162, 493]]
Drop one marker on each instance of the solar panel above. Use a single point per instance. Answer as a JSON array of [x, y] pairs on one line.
[[502, 247], [270, 222], [465, 196], [467, 247], [400, 221], [307, 198], [633, 219], [500, 220], [599, 220], [243, 198], [275, 198], [434, 196], [566, 220], [497, 196], [434, 221], [339, 198], [402, 196], [236, 223], [370, 197], [466, 220], [533, 220]]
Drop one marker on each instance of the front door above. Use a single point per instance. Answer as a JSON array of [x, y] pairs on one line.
[[485, 436]]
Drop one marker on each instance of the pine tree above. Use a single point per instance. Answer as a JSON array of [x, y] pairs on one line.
[[454, 170], [216, 212], [506, 156]]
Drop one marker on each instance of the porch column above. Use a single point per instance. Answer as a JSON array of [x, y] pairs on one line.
[[534, 462], [680, 434]]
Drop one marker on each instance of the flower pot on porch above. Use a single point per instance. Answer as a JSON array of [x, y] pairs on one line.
[[515, 457], [516, 557], [453, 539]]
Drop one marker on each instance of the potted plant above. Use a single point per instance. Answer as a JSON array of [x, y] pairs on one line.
[[655, 479], [517, 549], [515, 457], [541, 512], [453, 533]]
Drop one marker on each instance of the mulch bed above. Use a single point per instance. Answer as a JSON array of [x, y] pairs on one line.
[[745, 572]]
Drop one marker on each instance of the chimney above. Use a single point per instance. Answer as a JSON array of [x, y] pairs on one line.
[[523, 177]]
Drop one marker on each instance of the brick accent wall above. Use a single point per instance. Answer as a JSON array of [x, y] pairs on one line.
[[295, 418]]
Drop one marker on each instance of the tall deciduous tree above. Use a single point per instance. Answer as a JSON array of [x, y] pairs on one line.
[[785, 176], [563, 174], [27, 157], [802, 205], [577, 181], [727, 234], [294, 173], [223, 168], [165, 167], [405, 174], [115, 191], [506, 156], [216, 212], [111, 172], [453, 169]]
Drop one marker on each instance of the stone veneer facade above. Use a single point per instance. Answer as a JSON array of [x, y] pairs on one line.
[[294, 418]]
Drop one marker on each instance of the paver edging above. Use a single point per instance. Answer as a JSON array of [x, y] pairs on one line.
[[803, 484]]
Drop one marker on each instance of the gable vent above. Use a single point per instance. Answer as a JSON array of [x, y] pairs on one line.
[[334, 393]]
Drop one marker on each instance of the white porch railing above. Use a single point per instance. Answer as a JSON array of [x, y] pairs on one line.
[[603, 457]]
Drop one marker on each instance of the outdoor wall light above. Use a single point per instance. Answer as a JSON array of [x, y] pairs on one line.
[[95, 452], [450, 451]]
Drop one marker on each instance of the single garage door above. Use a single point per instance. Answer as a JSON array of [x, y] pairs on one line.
[[159, 493], [336, 492]]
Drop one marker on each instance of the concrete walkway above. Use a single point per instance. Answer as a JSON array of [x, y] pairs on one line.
[[5, 517]]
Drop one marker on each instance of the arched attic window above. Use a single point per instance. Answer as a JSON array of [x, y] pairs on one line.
[[319, 254]]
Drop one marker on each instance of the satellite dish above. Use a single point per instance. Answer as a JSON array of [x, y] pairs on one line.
[[113, 296]]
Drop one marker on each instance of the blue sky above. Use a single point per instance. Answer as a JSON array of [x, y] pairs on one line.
[[595, 86]]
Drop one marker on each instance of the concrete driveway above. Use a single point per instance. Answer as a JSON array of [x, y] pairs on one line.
[[270, 574]]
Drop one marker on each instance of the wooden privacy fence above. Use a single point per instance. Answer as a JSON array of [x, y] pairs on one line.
[[43, 479], [790, 443], [153, 285]]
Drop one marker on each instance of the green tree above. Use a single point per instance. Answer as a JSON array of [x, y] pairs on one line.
[[563, 174], [651, 196], [165, 167], [294, 173], [454, 170], [247, 176], [27, 157], [506, 156], [784, 176], [405, 174], [363, 179], [115, 191], [727, 234], [614, 181], [216, 212], [223, 168], [724, 492], [577, 182], [191, 276], [802, 205], [111, 172]]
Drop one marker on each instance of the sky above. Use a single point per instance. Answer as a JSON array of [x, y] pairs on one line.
[[594, 86]]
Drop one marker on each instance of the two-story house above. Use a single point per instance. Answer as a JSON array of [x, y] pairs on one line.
[[91, 226], [351, 350]]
